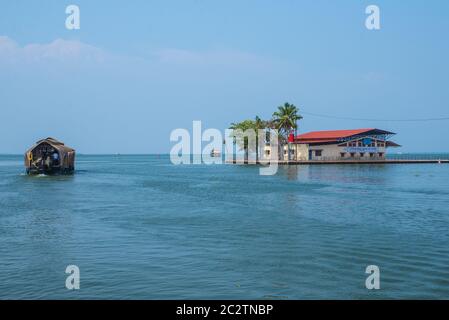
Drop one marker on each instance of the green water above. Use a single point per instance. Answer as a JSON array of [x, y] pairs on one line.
[[140, 227]]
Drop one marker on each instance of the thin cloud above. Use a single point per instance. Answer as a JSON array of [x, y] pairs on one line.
[[73, 51], [59, 50]]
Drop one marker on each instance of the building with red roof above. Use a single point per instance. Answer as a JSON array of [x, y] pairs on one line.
[[361, 144]]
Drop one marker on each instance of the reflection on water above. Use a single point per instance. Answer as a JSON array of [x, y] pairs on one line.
[[139, 227]]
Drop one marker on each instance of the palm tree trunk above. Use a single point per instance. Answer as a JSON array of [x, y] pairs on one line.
[[257, 150], [279, 146]]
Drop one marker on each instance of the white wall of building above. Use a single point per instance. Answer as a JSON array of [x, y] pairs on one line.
[[304, 152], [335, 152]]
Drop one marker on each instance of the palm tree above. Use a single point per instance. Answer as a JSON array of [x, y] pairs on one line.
[[243, 126], [256, 125], [259, 124], [285, 120]]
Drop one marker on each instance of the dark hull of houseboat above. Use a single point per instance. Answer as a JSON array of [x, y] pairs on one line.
[[50, 172]]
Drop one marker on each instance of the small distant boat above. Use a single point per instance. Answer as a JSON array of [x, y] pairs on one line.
[[50, 156], [215, 153]]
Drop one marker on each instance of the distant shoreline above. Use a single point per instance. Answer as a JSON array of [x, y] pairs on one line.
[[168, 154]]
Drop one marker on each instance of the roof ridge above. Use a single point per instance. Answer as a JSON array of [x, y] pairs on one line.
[[335, 134]]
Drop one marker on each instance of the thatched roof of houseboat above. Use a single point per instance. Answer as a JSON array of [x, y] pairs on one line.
[[58, 145]]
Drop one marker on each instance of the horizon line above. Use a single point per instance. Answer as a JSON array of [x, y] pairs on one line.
[[159, 154]]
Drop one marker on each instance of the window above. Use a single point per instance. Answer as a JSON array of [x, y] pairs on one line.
[[352, 154], [371, 155], [342, 154], [318, 153], [381, 154], [362, 154]]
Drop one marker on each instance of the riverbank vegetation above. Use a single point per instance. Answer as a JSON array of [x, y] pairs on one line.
[[284, 121]]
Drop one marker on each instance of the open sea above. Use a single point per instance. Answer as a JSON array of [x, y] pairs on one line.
[[139, 227]]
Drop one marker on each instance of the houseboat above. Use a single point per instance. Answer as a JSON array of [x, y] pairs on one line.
[[50, 156]]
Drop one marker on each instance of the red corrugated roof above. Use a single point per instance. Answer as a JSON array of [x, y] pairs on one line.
[[316, 140], [330, 135]]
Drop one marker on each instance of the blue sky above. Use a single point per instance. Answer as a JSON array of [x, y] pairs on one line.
[[138, 69]]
